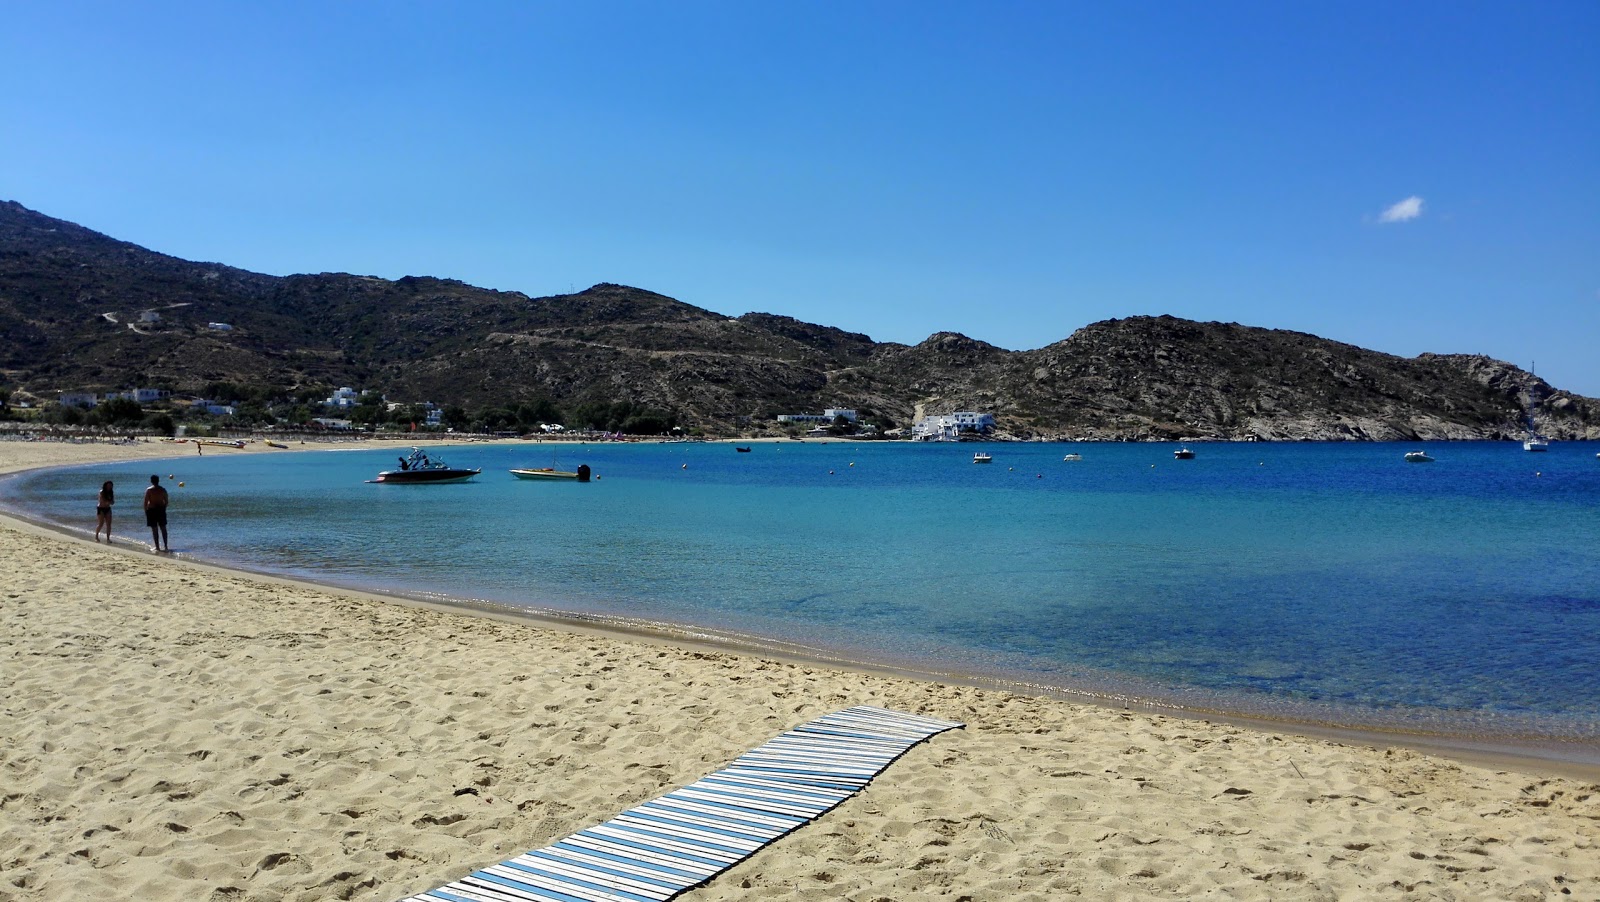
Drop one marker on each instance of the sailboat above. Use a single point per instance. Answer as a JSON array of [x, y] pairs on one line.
[[1534, 441]]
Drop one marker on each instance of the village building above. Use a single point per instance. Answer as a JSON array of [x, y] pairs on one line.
[[827, 417], [342, 399], [951, 427]]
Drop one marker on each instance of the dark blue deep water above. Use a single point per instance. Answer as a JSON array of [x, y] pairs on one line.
[[1331, 581]]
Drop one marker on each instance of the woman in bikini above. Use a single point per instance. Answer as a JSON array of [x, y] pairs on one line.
[[102, 511]]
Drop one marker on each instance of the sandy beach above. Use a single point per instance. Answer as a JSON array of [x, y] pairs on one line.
[[176, 731]]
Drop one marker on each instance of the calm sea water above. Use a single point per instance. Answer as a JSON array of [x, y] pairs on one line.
[[1327, 581]]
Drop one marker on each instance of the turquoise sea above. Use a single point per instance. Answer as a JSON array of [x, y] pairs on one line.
[[1331, 582]]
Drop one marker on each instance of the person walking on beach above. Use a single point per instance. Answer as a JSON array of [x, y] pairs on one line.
[[102, 511], [155, 513]]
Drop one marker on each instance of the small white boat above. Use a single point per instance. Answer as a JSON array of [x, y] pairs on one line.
[[1183, 454], [581, 474], [1418, 457], [1073, 457], [553, 471], [981, 458]]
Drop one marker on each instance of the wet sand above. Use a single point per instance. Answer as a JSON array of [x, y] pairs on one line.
[[171, 730]]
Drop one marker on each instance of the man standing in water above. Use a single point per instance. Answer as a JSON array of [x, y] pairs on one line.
[[155, 513]]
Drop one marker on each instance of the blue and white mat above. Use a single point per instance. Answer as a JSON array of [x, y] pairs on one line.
[[681, 840]]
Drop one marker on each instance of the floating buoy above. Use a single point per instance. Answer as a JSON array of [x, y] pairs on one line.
[[852, 463], [830, 472], [685, 467], [180, 485], [1038, 476]]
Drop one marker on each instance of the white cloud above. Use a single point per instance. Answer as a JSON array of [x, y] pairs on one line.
[[1404, 211]]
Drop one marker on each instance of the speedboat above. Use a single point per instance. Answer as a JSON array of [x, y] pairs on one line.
[[1073, 457], [420, 469], [981, 458], [1418, 457], [1183, 453]]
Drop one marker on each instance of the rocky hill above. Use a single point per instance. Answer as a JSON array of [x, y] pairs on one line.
[[80, 311]]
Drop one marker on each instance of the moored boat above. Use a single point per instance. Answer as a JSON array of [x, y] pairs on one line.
[[1183, 453], [581, 474], [982, 458], [420, 469], [553, 471], [1534, 441], [1418, 457]]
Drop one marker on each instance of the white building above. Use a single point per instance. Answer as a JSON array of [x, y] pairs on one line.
[[215, 408], [951, 426], [141, 395], [827, 417], [149, 316], [78, 399], [219, 327], [343, 399]]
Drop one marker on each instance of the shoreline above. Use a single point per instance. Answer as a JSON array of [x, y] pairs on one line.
[[180, 730], [1545, 754]]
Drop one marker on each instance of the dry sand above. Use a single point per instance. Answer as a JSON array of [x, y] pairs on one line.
[[170, 731]]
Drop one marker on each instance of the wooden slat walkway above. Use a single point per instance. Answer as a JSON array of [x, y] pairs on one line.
[[677, 842]]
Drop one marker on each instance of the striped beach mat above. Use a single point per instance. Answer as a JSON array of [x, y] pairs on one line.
[[679, 841]]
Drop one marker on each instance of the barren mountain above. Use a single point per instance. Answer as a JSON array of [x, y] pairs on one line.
[[80, 311]]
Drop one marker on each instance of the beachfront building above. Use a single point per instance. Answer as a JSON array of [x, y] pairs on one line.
[[949, 427], [82, 399], [827, 417]]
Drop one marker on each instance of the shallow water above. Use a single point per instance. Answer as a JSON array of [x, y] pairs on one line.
[[1332, 582]]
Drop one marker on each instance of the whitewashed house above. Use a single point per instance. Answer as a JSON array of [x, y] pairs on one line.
[[827, 417], [342, 399], [950, 427]]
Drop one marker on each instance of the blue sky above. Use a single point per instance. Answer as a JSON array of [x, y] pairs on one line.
[[1011, 171]]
